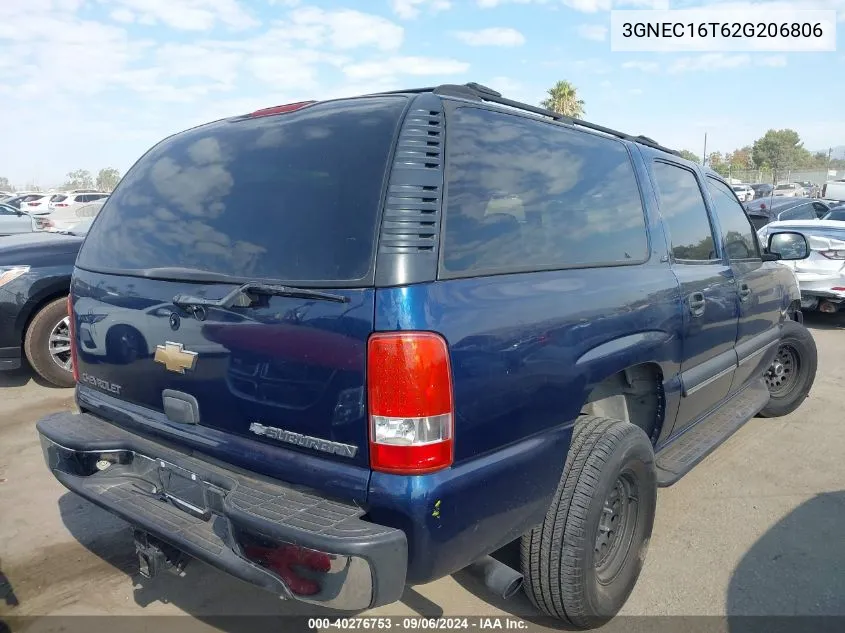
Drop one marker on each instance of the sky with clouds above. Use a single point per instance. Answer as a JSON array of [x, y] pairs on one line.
[[94, 83]]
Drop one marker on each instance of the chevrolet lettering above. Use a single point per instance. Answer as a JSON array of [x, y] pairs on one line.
[[105, 385]]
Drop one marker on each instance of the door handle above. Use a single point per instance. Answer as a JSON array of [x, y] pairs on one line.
[[696, 303], [744, 292]]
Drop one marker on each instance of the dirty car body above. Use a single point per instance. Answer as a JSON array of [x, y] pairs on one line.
[[342, 361]]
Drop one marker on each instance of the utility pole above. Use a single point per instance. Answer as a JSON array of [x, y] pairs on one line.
[[704, 155]]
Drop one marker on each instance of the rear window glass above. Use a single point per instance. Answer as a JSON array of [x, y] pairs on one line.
[[293, 197], [58, 198], [759, 221], [524, 194]]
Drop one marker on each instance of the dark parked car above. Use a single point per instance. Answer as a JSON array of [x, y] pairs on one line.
[[471, 321], [762, 190], [761, 212], [836, 213], [35, 271]]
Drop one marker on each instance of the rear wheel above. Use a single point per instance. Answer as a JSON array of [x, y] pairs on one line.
[[47, 344], [793, 371], [581, 564]]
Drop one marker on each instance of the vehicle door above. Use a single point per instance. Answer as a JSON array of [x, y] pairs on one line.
[[761, 308], [13, 221], [708, 290]]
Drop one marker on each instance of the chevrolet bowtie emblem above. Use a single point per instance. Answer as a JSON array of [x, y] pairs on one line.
[[175, 357]]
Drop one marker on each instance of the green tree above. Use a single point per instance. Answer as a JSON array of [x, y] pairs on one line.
[[563, 99], [79, 179], [685, 153], [718, 163], [107, 179], [741, 158], [5, 185], [778, 150]]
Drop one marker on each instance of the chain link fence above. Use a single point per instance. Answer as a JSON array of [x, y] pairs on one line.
[[818, 176]]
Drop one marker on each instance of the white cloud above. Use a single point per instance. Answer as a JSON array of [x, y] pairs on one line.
[[596, 32], [399, 66], [635, 92], [606, 84], [122, 15], [585, 6], [188, 15], [772, 61], [348, 28], [494, 36], [724, 61], [410, 9], [646, 67], [507, 86]]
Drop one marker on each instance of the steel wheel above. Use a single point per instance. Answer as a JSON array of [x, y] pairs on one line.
[[783, 372], [59, 344], [616, 527]]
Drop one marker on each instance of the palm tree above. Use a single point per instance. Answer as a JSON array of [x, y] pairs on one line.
[[563, 99]]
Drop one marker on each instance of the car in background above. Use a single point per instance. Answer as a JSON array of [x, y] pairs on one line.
[[789, 190], [21, 199], [821, 276], [836, 213], [14, 221], [61, 219], [744, 192], [763, 212], [70, 201], [762, 190], [834, 190], [38, 203], [35, 272], [811, 188]]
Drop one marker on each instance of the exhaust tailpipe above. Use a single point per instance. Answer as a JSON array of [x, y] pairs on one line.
[[502, 580]]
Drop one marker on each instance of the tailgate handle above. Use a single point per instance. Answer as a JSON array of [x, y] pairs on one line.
[[180, 407]]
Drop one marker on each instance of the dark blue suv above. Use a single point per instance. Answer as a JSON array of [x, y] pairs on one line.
[[337, 348]]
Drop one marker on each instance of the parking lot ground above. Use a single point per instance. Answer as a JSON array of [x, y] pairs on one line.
[[755, 529]]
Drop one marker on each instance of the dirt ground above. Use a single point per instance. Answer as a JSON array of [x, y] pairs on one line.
[[755, 529]]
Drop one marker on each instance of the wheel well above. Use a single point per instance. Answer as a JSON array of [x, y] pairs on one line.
[[56, 294], [634, 394]]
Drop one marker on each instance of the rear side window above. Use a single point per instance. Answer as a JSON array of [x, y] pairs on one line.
[[527, 195], [801, 212], [759, 221], [684, 212], [739, 239], [293, 197]]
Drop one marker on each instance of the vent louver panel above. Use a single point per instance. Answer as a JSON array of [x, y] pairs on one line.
[[412, 210]]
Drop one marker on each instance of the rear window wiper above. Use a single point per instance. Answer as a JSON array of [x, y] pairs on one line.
[[241, 296]]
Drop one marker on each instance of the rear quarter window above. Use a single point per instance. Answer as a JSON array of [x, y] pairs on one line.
[[527, 195], [293, 197]]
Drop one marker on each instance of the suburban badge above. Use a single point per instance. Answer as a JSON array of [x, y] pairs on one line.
[[175, 357], [344, 450]]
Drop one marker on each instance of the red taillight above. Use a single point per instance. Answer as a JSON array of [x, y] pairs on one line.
[[72, 327], [409, 388], [281, 109]]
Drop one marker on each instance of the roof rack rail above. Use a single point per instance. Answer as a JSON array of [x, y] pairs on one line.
[[483, 93]]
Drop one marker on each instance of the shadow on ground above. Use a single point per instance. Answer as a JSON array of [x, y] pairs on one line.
[[822, 321], [794, 569], [205, 593], [22, 376]]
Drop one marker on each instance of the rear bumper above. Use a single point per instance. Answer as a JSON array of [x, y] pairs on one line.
[[10, 358], [227, 511]]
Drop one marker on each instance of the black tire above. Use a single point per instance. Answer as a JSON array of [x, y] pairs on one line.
[[797, 345], [559, 557], [36, 344]]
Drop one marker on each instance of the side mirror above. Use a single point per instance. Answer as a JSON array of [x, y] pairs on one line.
[[788, 246]]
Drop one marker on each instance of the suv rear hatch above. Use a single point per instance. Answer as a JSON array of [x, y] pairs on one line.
[[290, 200]]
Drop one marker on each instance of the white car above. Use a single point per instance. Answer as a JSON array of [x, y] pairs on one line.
[[70, 201], [790, 190], [744, 192], [37, 205], [60, 218], [821, 276], [14, 221]]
